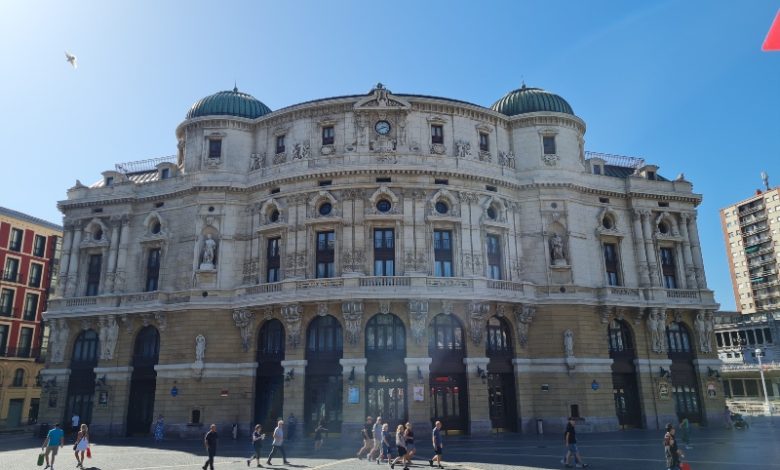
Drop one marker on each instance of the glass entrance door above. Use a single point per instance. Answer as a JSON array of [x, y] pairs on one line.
[[269, 394], [501, 398], [625, 394], [448, 402], [323, 401], [386, 397]]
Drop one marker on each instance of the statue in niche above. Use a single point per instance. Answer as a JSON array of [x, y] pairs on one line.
[[556, 250], [568, 343], [209, 252], [200, 348]]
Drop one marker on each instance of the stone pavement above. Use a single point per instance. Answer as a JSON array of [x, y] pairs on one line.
[[713, 449]]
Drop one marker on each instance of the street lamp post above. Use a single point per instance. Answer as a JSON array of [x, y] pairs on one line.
[[767, 409]]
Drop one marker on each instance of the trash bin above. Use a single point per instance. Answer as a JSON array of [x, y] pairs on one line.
[[539, 426], [43, 430]]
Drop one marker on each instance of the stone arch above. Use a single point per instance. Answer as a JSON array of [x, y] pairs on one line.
[[396, 322], [384, 192], [608, 214], [263, 329], [444, 195], [86, 347], [267, 211], [505, 338], [447, 321], [671, 223], [496, 204], [151, 220], [94, 228], [320, 198]]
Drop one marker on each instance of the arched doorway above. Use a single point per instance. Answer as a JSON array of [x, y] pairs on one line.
[[143, 383], [500, 375], [385, 369], [685, 385], [269, 382], [324, 382], [624, 385], [81, 386], [448, 394]]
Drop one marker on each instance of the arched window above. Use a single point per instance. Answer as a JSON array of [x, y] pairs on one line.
[[325, 335], [85, 349], [619, 337], [18, 378], [679, 339], [499, 340], [147, 347], [385, 333], [270, 341], [445, 334]]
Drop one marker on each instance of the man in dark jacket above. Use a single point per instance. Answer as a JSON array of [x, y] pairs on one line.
[[210, 441]]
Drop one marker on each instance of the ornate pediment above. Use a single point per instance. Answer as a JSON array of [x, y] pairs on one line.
[[380, 98]]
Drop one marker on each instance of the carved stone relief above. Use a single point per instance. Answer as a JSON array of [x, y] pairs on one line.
[[551, 160], [301, 151], [656, 325], [418, 318], [292, 318], [524, 315], [256, 161], [108, 333], [447, 307], [353, 319], [506, 159], [478, 311], [384, 307], [244, 318], [59, 337], [463, 149], [322, 309]]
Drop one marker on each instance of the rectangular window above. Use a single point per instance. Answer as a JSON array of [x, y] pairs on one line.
[[442, 253], [16, 239], [611, 264], [39, 247], [484, 143], [6, 302], [494, 256], [767, 335], [215, 148], [25, 342], [326, 247], [751, 388], [668, 268], [719, 339], [152, 270], [11, 271], [548, 142], [384, 252], [727, 389], [328, 135], [273, 260], [165, 173], [751, 337], [3, 338], [279, 144], [597, 169], [93, 274], [30, 306], [437, 134], [36, 273]]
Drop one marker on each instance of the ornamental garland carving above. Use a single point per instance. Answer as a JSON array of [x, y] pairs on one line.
[[58, 340], [463, 149], [353, 261], [243, 318], [524, 315], [506, 159], [478, 311], [353, 319], [418, 318], [292, 318], [301, 151], [551, 160], [257, 161]]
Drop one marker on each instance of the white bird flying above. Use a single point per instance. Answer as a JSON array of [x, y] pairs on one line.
[[71, 59]]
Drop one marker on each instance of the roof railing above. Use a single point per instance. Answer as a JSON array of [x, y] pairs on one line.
[[617, 160], [144, 165]]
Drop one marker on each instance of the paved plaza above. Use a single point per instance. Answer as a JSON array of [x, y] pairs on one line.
[[713, 449]]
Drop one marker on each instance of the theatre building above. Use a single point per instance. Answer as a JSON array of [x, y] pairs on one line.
[[408, 256]]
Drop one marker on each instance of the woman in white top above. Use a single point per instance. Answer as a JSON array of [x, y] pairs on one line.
[[81, 446]]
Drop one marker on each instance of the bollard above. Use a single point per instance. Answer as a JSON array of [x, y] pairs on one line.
[[235, 432], [539, 426]]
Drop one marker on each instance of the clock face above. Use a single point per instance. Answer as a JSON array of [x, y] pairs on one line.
[[382, 127]]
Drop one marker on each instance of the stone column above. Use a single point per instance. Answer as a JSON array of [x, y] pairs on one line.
[[353, 414], [67, 240], [73, 262], [652, 260], [293, 388], [698, 262], [121, 261], [479, 407], [112, 250], [639, 246], [418, 371], [690, 269]]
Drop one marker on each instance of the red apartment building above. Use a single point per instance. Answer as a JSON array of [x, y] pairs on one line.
[[29, 250]]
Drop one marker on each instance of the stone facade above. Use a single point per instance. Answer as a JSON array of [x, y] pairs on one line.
[[453, 229]]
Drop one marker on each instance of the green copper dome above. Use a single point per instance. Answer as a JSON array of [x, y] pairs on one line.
[[531, 100], [229, 103]]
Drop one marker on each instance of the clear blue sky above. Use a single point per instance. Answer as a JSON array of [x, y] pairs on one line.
[[683, 84]]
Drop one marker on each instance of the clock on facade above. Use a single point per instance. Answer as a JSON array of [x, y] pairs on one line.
[[382, 127]]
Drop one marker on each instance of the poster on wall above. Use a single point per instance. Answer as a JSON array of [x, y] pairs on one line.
[[103, 398], [663, 390], [354, 395], [418, 393], [712, 391]]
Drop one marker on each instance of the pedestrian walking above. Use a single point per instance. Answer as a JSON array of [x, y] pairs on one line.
[[210, 442], [437, 445], [319, 432], [400, 443], [278, 443], [81, 445], [727, 417], [570, 441], [257, 445], [673, 455], [411, 450], [159, 429], [387, 443], [366, 434], [75, 420], [376, 431], [685, 432], [55, 440]]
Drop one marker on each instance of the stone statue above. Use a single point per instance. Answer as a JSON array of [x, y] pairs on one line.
[[556, 250], [709, 328], [568, 343], [109, 333], [701, 331], [652, 327], [209, 252], [200, 348], [463, 149], [59, 336]]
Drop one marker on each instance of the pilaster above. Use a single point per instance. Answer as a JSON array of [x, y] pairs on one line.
[[418, 371], [479, 407]]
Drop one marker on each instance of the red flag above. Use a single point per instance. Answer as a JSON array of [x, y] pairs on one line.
[[772, 41]]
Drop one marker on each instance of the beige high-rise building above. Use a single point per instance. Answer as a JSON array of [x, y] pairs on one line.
[[750, 228]]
